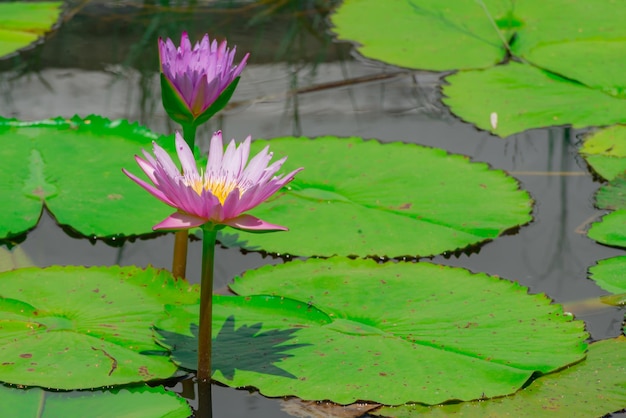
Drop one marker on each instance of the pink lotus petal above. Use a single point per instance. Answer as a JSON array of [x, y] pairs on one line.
[[199, 73], [179, 220], [221, 194], [152, 190], [147, 166], [185, 155], [251, 223]]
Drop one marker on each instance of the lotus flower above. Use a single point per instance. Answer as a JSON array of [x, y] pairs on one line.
[[192, 79], [228, 187]]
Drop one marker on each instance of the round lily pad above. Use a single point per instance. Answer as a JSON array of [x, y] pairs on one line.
[[605, 151], [525, 97], [24, 22], [348, 330], [543, 82], [610, 274], [131, 402], [76, 327], [610, 230], [365, 198], [419, 34], [591, 388], [74, 168]]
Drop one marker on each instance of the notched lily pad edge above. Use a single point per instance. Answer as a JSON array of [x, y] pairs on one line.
[[230, 239], [94, 121], [63, 10]]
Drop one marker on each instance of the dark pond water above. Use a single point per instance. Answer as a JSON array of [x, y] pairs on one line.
[[104, 60]]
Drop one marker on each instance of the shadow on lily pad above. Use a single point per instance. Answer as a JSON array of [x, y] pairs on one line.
[[244, 348]]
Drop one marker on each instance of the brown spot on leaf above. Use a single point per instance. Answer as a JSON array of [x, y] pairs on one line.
[[26, 355]]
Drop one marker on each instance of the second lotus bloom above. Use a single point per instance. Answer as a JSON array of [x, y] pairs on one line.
[[193, 78], [220, 194]]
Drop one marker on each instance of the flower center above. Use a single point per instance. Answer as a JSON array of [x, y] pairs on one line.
[[219, 187]]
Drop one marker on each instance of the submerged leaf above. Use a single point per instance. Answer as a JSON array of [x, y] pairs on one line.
[[130, 402]]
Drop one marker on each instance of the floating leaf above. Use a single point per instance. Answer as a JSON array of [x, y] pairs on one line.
[[610, 274], [74, 167], [605, 151], [131, 402], [365, 198], [13, 259], [544, 83], [419, 34], [610, 230], [592, 388], [75, 327], [394, 333], [22, 23], [612, 196], [526, 97]]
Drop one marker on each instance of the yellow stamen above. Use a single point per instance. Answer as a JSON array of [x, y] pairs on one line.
[[219, 187]]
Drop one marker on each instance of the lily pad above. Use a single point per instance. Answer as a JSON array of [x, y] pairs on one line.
[[610, 230], [544, 81], [73, 167], [610, 274], [76, 327], [594, 387], [365, 198], [388, 333], [605, 151], [526, 97], [419, 34], [612, 196], [131, 402], [22, 23]]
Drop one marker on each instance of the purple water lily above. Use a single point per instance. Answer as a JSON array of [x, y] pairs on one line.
[[228, 187], [196, 76]]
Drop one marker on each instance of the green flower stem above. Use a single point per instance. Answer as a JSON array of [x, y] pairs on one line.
[[179, 262], [189, 133], [209, 234]]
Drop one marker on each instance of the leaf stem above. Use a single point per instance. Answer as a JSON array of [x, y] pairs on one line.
[[209, 234]]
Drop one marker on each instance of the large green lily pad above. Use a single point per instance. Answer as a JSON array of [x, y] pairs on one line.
[[419, 34], [22, 23], [74, 168], [131, 402], [526, 97], [388, 333], [605, 151], [76, 327], [592, 388], [610, 274], [365, 198], [544, 81]]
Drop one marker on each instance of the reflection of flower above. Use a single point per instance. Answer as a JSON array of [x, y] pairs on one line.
[[193, 78], [219, 195]]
